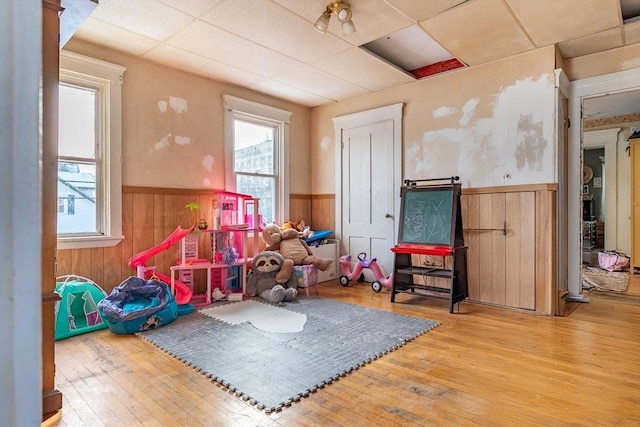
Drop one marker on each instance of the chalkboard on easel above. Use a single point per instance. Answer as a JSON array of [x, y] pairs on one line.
[[430, 215]]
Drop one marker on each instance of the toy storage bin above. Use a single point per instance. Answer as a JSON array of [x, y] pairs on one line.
[[328, 250], [306, 276]]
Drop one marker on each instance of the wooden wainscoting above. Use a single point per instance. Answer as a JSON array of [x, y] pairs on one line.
[[513, 268], [510, 232], [149, 215], [300, 208], [323, 208]]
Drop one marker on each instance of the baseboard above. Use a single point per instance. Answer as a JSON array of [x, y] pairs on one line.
[[562, 299], [51, 403]]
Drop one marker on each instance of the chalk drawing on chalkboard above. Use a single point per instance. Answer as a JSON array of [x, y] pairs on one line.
[[427, 216]]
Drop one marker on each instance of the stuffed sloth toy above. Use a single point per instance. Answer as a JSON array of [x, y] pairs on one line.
[[292, 247], [271, 278]]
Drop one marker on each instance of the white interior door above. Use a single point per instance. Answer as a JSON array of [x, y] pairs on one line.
[[368, 180], [368, 213]]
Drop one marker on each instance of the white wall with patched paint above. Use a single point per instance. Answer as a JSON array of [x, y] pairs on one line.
[[173, 125], [492, 125], [511, 142]]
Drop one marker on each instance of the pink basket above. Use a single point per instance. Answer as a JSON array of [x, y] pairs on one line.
[[612, 260]]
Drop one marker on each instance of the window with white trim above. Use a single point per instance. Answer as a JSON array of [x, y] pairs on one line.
[[256, 154], [89, 153]]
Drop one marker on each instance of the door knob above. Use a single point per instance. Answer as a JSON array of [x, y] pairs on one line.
[[387, 215]]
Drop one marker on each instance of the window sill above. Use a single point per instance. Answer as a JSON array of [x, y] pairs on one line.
[[88, 242]]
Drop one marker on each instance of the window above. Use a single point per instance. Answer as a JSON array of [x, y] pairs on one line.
[[89, 152], [77, 162], [257, 155]]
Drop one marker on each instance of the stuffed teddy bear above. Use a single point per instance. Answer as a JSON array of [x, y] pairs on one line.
[[271, 278], [292, 247], [304, 231]]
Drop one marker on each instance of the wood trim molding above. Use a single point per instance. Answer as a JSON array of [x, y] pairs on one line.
[[51, 402], [162, 190], [53, 5], [50, 297], [300, 196], [129, 189], [545, 257], [511, 189], [616, 121]]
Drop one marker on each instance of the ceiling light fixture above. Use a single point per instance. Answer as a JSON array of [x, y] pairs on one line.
[[340, 8]]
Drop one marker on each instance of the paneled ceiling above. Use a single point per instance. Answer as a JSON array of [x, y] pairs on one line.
[[271, 46]]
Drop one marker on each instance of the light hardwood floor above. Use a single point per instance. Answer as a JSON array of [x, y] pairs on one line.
[[481, 366]]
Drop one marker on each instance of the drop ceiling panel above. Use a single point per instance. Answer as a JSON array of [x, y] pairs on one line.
[[281, 90], [363, 69], [372, 18], [194, 8], [267, 40], [566, 19], [320, 83], [421, 10], [193, 63], [605, 40], [410, 48], [478, 32], [105, 34], [275, 27], [308, 9], [149, 18], [217, 44]]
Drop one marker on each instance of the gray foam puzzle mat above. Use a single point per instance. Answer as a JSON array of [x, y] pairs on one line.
[[273, 370]]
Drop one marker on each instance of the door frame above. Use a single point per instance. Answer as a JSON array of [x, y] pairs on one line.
[[580, 90], [562, 141], [363, 118]]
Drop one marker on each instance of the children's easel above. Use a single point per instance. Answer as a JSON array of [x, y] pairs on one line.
[[430, 224]]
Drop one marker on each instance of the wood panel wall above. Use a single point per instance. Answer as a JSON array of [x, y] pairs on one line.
[[300, 209], [323, 208], [510, 232], [513, 270], [149, 215]]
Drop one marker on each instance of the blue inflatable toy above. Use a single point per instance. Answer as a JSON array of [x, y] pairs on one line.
[[138, 305]]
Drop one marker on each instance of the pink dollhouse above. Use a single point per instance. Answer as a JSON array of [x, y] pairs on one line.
[[235, 218]]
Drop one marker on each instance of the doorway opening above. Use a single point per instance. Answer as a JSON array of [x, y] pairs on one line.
[[623, 84], [593, 204]]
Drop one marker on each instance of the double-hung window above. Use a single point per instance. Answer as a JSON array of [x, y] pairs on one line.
[[257, 155], [89, 153]]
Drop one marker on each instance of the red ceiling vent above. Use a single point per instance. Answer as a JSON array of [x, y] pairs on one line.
[[437, 68]]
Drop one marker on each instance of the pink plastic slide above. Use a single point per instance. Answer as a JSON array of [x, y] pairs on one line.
[[182, 292]]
